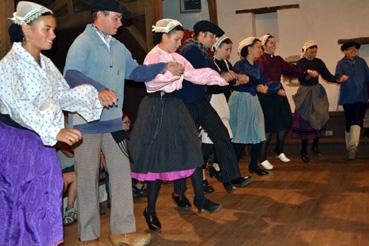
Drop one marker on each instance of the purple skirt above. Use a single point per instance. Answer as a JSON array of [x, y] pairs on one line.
[[30, 190], [301, 129]]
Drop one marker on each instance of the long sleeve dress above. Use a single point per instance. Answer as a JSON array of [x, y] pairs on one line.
[[276, 109], [163, 143], [311, 113], [32, 98]]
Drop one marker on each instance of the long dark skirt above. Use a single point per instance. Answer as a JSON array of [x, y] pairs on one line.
[[30, 190], [164, 142], [277, 112]]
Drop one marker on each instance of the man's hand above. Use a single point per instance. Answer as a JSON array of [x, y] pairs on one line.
[[69, 136], [108, 98], [263, 89], [175, 68]]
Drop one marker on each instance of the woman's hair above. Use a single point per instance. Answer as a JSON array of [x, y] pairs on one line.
[[157, 36], [226, 41], [245, 50], [15, 31]]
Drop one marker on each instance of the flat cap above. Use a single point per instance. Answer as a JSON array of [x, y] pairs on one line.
[[207, 26]]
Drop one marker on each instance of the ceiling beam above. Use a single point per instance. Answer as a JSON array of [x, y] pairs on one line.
[[266, 10]]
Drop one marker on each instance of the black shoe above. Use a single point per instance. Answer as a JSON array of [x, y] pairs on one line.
[[207, 205], [214, 173], [304, 157], [206, 187], [242, 181], [315, 149], [229, 187], [366, 132], [181, 201], [258, 171], [137, 192], [152, 221]]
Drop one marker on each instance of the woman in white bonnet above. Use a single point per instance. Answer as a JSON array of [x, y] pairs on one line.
[[33, 94], [311, 113]]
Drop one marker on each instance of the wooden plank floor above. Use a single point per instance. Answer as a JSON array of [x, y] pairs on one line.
[[325, 202]]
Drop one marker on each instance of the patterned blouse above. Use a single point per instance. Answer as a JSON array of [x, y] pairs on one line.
[[34, 95]]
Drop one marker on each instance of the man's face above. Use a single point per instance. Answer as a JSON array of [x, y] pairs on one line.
[[110, 22], [207, 39], [351, 52]]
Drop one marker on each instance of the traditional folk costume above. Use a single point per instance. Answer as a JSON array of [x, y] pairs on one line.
[[32, 98]]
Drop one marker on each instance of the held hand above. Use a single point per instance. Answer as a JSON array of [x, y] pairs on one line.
[[242, 79], [343, 78], [312, 73], [229, 76], [69, 136], [175, 68], [281, 93], [108, 98], [263, 89]]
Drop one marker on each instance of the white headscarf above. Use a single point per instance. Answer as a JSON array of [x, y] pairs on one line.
[[28, 12], [308, 44], [218, 42], [264, 39], [245, 42], [165, 25]]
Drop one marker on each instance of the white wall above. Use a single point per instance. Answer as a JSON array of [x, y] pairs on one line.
[[325, 21], [171, 9]]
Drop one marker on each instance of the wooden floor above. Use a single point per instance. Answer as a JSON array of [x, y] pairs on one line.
[[325, 202]]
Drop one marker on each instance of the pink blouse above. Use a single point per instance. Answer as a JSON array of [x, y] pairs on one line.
[[168, 82]]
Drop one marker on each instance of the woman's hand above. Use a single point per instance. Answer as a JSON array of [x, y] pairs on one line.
[[312, 73], [69, 136], [242, 79], [281, 93], [343, 78]]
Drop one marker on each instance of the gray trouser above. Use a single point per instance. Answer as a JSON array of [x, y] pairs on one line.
[[122, 218]]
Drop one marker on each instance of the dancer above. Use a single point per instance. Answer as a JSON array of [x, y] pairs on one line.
[[311, 113], [276, 109], [33, 94], [247, 120], [353, 94], [163, 143]]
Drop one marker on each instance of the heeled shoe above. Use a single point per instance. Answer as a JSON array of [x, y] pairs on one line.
[[207, 205], [258, 171], [181, 201], [152, 221], [304, 157], [214, 173], [206, 187]]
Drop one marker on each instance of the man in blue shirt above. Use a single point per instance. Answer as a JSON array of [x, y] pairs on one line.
[[97, 58], [353, 93], [194, 96]]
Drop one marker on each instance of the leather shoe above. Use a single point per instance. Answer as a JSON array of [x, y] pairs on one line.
[[131, 239], [304, 157], [242, 181], [206, 204], [152, 221], [181, 201], [258, 171], [229, 187], [206, 187]]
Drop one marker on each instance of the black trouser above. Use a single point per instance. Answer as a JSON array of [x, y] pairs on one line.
[[354, 114], [204, 115]]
